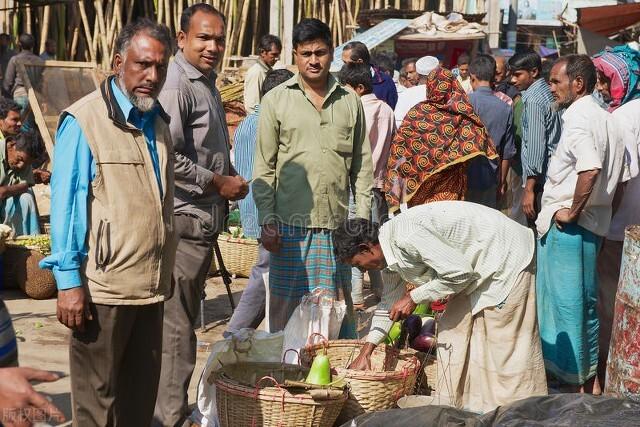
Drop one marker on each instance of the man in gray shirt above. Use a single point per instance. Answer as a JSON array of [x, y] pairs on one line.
[[205, 180]]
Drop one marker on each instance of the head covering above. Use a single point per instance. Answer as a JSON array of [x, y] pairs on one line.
[[621, 65], [426, 65], [435, 134]]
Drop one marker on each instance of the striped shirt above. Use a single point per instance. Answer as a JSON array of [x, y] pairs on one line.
[[244, 148], [541, 129], [447, 248]]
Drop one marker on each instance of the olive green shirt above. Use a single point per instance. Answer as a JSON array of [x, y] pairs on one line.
[[307, 160]]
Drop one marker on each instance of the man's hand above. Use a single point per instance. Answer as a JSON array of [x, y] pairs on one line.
[[20, 404], [73, 308], [270, 238], [42, 176], [502, 190], [402, 308], [562, 217], [231, 187], [363, 361], [528, 203]]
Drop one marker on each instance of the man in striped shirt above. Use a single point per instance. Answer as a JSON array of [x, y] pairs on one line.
[[541, 128], [250, 310], [484, 263]]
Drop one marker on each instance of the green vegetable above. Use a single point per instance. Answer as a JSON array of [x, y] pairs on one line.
[[41, 243], [421, 309], [320, 372], [394, 333]]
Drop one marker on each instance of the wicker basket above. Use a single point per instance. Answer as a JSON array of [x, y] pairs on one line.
[[21, 270], [393, 375], [239, 255], [268, 403]]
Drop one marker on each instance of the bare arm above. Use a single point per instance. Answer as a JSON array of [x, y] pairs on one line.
[[584, 187], [13, 190]]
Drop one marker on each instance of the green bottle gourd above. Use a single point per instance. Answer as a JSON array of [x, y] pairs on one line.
[[320, 372]]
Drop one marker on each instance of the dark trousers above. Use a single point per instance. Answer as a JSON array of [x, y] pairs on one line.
[[193, 258], [115, 366]]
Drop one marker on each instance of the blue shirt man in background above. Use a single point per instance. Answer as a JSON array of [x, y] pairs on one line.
[[251, 308]]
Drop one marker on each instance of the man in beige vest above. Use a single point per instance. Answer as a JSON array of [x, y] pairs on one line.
[[113, 243]]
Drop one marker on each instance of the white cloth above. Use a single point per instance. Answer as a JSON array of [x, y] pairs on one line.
[[466, 84], [589, 141], [448, 248], [253, 85], [627, 120], [407, 100], [426, 64]]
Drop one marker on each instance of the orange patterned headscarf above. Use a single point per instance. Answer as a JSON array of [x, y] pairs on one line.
[[437, 133]]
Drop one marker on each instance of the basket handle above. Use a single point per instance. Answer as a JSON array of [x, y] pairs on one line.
[[325, 342], [273, 380], [284, 355]]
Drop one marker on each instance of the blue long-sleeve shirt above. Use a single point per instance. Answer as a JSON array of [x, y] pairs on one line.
[[74, 169], [384, 88]]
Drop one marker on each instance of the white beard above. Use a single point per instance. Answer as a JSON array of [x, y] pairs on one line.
[[142, 103]]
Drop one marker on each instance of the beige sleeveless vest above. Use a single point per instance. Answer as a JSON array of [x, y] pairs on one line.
[[131, 242]]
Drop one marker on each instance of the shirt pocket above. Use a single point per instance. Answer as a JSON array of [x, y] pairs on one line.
[[340, 139], [123, 163]]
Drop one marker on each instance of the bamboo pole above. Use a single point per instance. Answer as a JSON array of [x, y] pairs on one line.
[[167, 13], [103, 38], [243, 24], [87, 31], [45, 28], [254, 27], [28, 19]]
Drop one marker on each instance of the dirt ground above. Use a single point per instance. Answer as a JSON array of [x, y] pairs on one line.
[[43, 341]]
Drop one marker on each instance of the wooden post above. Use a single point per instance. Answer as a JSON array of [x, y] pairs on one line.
[[287, 32], [45, 29]]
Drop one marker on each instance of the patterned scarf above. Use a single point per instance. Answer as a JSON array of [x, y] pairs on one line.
[[435, 134], [621, 65]]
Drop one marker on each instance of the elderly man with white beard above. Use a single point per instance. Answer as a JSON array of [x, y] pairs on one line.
[[113, 243]]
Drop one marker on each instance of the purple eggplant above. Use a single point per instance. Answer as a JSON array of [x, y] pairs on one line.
[[428, 326], [424, 343], [413, 324]]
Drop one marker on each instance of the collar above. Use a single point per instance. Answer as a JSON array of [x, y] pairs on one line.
[[190, 71], [368, 97], [384, 237], [263, 65], [536, 85], [332, 84], [580, 105], [485, 89], [115, 110]]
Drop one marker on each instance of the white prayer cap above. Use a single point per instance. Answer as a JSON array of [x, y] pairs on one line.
[[426, 64]]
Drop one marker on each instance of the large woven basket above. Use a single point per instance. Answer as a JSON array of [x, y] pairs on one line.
[[393, 375], [268, 403], [239, 255], [21, 270]]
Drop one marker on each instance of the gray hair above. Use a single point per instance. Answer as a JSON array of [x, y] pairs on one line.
[[145, 26]]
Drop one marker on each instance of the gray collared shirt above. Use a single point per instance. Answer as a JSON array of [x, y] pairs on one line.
[[200, 139]]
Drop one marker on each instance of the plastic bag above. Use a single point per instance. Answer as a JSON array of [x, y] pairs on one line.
[[247, 345], [318, 313]]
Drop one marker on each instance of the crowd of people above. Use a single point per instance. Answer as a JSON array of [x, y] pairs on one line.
[[486, 188]]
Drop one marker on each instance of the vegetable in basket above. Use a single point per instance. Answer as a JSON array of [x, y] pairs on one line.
[[320, 372]]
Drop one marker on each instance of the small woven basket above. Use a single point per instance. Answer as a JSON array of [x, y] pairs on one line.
[[268, 403], [393, 375], [239, 255]]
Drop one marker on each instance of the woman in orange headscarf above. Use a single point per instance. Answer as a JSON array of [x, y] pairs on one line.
[[432, 147]]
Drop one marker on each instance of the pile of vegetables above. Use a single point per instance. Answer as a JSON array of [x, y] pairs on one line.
[[41, 243], [417, 330]]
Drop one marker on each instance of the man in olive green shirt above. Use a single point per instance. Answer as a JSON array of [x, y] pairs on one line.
[[312, 147]]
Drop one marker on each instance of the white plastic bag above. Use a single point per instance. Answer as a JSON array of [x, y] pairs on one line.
[[316, 314], [247, 345]]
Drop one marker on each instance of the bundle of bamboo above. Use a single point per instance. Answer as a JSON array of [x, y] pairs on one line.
[[85, 30]]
